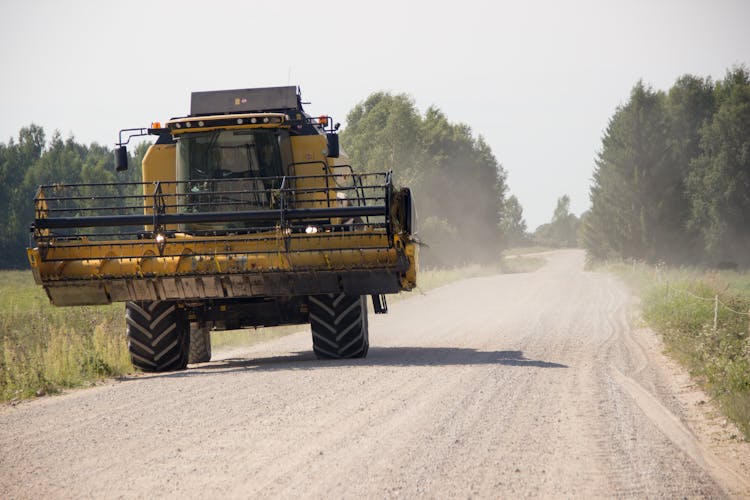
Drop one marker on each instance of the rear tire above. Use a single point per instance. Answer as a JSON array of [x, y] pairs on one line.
[[200, 343], [339, 326], [158, 336]]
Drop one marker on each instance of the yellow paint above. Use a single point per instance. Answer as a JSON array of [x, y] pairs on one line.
[[208, 255], [409, 280], [309, 156], [159, 165]]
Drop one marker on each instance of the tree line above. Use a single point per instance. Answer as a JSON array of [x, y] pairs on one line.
[[672, 178], [561, 231], [31, 160], [465, 214]]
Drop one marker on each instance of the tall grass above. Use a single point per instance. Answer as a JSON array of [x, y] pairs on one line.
[[680, 304], [44, 349]]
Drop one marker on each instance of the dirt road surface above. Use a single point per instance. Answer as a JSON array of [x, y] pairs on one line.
[[532, 384]]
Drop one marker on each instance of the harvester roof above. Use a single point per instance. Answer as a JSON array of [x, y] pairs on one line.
[[258, 100]]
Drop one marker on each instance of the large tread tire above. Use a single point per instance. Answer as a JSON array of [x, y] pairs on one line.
[[158, 336], [339, 326], [200, 344]]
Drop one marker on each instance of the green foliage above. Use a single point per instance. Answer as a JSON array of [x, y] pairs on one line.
[[720, 359], [633, 185], [383, 133], [16, 158], [512, 223], [44, 348], [458, 184], [672, 180], [720, 174], [562, 231], [30, 161]]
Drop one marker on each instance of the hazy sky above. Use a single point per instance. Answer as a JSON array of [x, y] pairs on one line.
[[537, 79]]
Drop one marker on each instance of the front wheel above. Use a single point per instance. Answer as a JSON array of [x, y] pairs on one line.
[[339, 325], [158, 336]]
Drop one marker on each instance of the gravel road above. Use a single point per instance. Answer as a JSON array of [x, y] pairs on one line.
[[537, 384]]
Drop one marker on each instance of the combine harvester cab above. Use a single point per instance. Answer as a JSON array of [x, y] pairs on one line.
[[247, 216]]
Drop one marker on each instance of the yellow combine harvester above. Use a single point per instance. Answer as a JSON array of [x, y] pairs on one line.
[[247, 216]]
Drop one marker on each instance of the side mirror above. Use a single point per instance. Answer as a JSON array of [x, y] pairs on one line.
[[121, 158], [333, 145]]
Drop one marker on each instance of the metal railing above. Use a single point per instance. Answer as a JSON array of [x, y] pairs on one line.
[[248, 209]]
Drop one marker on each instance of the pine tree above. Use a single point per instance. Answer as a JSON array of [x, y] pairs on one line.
[[719, 181]]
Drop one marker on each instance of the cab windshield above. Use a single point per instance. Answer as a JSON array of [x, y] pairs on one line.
[[230, 154], [229, 170]]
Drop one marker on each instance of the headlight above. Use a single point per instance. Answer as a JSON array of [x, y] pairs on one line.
[[343, 199]]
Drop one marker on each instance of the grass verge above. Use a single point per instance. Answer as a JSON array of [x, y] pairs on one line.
[[44, 348], [518, 251], [681, 304]]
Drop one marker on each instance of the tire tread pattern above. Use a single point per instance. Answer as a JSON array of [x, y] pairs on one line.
[[339, 326], [158, 338], [200, 344]]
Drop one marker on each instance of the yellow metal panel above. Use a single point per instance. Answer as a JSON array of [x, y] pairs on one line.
[[309, 153], [160, 164], [210, 255], [90, 272], [409, 280], [307, 148]]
